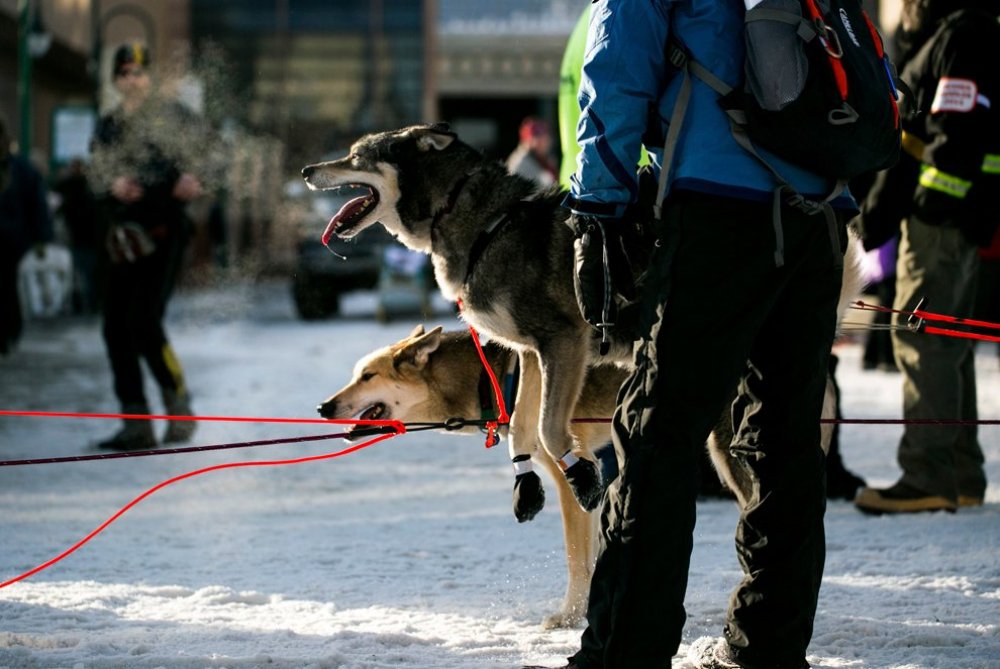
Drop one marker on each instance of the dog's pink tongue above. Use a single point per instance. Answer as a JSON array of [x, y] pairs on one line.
[[330, 227], [350, 209]]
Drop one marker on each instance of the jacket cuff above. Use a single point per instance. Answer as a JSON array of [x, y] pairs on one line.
[[601, 209]]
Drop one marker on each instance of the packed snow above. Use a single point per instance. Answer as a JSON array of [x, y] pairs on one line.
[[404, 554]]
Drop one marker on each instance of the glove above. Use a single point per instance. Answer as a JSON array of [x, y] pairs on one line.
[[603, 276]]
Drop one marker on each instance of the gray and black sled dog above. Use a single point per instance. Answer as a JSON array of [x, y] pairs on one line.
[[504, 251]]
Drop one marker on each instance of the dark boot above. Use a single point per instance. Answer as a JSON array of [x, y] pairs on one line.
[[178, 404], [135, 435], [841, 483]]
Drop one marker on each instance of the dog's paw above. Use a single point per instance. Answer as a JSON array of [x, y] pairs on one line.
[[529, 496], [585, 481], [563, 620]]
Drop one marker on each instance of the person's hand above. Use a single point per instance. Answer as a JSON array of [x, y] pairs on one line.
[[602, 274], [126, 189], [187, 188]]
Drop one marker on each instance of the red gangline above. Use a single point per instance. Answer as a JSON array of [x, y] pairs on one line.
[[228, 419], [270, 463]]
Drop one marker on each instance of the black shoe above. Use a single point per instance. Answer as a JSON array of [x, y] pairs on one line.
[[571, 665], [136, 435], [901, 498]]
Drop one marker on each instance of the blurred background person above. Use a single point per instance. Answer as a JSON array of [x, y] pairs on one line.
[[24, 222], [532, 158], [941, 199], [79, 214], [141, 163]]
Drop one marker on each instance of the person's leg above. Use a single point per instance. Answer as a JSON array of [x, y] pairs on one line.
[[122, 302], [160, 357], [970, 476], [10, 303], [780, 537], [936, 264], [686, 370]]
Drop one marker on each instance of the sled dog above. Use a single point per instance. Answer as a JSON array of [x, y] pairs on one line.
[[433, 376], [500, 249]]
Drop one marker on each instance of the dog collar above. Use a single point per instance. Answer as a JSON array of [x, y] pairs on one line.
[[486, 236]]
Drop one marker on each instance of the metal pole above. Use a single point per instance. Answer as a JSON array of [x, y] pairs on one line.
[[96, 46], [24, 76]]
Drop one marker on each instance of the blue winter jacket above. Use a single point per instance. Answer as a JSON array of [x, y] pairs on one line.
[[626, 79]]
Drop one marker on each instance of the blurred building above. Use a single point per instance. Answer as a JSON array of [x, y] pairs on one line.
[[75, 33], [289, 82]]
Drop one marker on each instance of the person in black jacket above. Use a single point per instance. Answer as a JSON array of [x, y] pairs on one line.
[[142, 171], [24, 221], [943, 192]]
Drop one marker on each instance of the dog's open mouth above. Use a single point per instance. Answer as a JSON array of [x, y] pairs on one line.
[[374, 412], [352, 213]]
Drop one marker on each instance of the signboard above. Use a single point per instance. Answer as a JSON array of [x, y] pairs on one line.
[[72, 130]]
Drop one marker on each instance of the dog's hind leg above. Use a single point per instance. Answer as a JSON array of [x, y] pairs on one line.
[[733, 472], [529, 495], [579, 534], [563, 370]]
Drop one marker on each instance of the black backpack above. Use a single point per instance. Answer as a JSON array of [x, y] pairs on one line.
[[819, 91]]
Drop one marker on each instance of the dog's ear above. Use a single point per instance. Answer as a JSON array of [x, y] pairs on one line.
[[418, 352], [417, 331], [437, 137]]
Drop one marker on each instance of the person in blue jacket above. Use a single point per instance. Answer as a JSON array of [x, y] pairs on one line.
[[714, 298]]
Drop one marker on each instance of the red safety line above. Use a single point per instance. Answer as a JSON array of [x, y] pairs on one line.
[[927, 315], [492, 439], [226, 419], [232, 465]]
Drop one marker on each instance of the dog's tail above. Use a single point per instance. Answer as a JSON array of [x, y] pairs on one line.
[[854, 279]]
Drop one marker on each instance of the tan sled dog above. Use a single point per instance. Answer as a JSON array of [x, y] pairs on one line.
[[430, 377], [433, 376]]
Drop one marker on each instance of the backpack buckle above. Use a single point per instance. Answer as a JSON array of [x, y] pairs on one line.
[[676, 55]]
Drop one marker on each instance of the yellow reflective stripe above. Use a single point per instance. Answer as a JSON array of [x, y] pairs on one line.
[[991, 163], [174, 367], [913, 145], [935, 179]]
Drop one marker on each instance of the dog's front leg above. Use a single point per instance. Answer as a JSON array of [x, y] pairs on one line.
[[579, 535], [529, 495], [563, 370]]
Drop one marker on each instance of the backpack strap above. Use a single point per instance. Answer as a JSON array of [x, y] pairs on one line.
[[678, 56]]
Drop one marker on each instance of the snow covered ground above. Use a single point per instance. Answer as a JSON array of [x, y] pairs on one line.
[[405, 554]]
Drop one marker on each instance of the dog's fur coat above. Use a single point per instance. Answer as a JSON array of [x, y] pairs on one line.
[[438, 195]]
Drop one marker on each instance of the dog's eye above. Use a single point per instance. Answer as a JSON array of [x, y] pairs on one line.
[[367, 376]]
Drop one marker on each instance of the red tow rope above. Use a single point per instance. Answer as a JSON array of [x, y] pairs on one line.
[[918, 318], [492, 438], [399, 428]]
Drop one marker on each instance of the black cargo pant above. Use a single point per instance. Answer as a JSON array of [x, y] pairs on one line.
[[728, 303], [135, 300]]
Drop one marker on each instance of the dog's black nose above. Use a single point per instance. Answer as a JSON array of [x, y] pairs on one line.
[[307, 171], [327, 409]]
